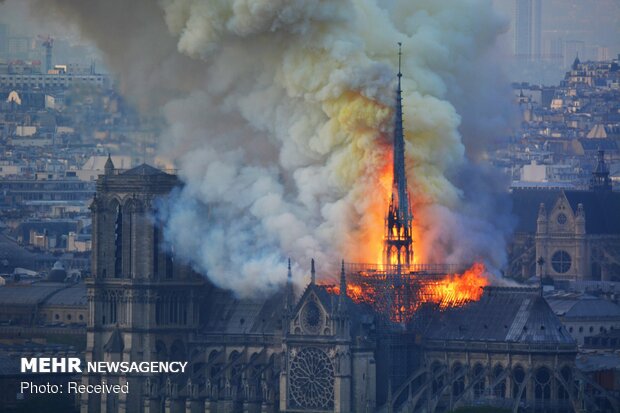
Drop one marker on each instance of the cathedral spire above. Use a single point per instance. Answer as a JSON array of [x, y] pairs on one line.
[[343, 288], [312, 272], [288, 303], [400, 176], [398, 238]]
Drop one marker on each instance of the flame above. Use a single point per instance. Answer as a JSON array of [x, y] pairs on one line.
[[457, 289], [401, 301]]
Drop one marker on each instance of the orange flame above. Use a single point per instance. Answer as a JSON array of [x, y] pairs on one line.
[[457, 289], [452, 290]]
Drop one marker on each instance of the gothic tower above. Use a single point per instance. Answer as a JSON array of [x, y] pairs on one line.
[[600, 180], [398, 237], [142, 304]]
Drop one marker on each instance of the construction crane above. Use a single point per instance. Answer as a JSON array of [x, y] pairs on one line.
[[48, 43]]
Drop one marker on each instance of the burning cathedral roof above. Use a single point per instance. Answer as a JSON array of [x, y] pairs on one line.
[[512, 315]]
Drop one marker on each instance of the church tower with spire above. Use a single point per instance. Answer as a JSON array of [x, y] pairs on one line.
[[398, 243]]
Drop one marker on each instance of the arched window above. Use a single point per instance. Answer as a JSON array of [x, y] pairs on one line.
[[518, 378], [480, 380], [500, 388], [458, 383], [437, 377], [542, 388], [567, 376], [118, 242]]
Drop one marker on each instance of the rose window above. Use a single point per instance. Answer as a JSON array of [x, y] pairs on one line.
[[311, 380]]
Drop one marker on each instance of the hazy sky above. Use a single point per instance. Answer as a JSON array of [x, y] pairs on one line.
[[595, 22]]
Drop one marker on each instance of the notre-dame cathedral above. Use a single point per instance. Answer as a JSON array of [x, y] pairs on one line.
[[315, 351]]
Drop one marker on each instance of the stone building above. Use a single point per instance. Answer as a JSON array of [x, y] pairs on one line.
[[507, 350], [576, 233], [585, 316], [275, 354], [321, 352]]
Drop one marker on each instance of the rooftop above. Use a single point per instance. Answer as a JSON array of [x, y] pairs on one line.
[[510, 315]]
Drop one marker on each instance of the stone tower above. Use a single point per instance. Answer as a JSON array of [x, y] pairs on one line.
[[142, 304]]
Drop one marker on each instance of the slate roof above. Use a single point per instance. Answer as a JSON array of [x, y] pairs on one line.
[[46, 293], [227, 314], [525, 203], [597, 362], [584, 307], [14, 254], [602, 208], [595, 144], [75, 295], [144, 169], [31, 294], [513, 315]]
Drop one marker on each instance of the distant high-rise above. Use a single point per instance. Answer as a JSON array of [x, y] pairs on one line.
[[528, 15]]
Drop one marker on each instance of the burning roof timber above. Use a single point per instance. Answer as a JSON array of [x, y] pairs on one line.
[[502, 315]]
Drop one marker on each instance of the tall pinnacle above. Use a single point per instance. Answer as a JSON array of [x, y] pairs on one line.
[[399, 188], [398, 242]]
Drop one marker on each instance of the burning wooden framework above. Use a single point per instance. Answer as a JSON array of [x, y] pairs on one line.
[[398, 291]]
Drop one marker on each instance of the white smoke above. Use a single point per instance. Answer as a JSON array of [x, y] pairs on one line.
[[279, 117]]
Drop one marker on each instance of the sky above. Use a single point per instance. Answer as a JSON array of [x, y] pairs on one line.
[[595, 22]]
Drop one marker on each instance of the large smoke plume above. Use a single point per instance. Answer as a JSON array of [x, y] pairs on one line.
[[279, 115]]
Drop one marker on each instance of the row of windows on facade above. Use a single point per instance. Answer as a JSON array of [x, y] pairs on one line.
[[119, 223], [601, 329], [170, 310], [68, 317]]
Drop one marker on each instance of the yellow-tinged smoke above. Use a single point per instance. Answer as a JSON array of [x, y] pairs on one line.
[[284, 141]]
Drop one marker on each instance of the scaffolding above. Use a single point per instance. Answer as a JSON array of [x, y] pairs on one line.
[[400, 295]]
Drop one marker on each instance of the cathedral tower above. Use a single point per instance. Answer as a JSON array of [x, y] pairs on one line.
[[143, 304]]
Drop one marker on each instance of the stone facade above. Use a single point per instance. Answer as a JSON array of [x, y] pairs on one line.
[[146, 306]]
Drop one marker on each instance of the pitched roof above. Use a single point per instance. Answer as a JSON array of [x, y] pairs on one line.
[[594, 144], [584, 306], [225, 313], [144, 169], [514, 315], [601, 208], [525, 203]]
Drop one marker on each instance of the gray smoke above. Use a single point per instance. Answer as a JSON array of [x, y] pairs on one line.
[[279, 116]]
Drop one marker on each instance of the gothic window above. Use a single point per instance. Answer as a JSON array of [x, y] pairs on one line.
[[518, 375], [458, 385], [479, 381], [311, 318], [437, 377], [567, 377], [311, 380], [127, 242], [155, 251], [118, 243], [561, 262], [542, 389], [500, 388]]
